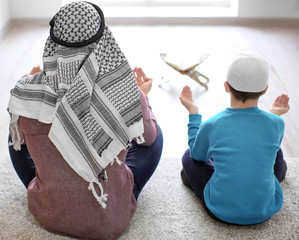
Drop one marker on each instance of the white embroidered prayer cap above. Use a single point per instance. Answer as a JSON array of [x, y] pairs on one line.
[[248, 72]]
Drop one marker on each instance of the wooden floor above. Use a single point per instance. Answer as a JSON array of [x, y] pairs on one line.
[[22, 46]]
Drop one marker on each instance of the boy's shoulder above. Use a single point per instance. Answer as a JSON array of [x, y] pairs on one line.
[[253, 113], [215, 118], [272, 117]]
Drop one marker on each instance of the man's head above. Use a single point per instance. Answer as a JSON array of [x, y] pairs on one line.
[[77, 24], [247, 76]]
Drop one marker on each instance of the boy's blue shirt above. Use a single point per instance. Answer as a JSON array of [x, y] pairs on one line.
[[243, 144]]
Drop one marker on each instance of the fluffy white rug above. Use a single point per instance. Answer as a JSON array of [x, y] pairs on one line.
[[166, 210]]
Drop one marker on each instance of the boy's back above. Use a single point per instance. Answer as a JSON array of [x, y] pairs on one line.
[[243, 144], [234, 162]]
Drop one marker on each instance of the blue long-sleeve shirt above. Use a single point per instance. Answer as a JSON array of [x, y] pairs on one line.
[[243, 144]]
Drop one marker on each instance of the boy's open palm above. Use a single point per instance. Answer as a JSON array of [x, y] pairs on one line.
[[280, 105], [187, 100]]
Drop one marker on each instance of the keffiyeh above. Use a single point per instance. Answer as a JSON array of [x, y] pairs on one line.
[[86, 90]]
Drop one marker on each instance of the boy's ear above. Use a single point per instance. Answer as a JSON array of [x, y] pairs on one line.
[[265, 90], [226, 86]]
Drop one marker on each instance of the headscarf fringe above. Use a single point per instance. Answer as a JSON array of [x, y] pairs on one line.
[[116, 159], [102, 198], [14, 130], [140, 139]]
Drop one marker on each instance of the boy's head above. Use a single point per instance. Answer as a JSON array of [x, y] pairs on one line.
[[247, 76]]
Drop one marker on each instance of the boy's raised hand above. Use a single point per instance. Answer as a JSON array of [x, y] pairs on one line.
[[143, 82], [187, 100], [280, 105]]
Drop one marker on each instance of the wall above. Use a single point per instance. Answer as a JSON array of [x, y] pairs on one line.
[[4, 14], [34, 8], [247, 9], [269, 8]]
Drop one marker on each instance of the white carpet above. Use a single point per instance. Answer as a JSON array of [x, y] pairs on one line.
[[166, 210]]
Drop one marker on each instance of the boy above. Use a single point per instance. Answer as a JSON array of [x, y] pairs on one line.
[[234, 163]]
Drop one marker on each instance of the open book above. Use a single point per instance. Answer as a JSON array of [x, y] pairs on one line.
[[189, 71]]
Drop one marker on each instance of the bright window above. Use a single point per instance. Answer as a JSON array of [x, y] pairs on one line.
[[218, 3], [166, 8]]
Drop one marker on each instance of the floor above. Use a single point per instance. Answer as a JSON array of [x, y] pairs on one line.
[[22, 46]]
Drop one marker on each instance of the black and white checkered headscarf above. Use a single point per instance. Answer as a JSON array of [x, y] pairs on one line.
[[86, 90]]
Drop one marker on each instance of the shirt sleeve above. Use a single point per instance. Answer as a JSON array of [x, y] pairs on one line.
[[149, 121], [198, 138], [281, 127]]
